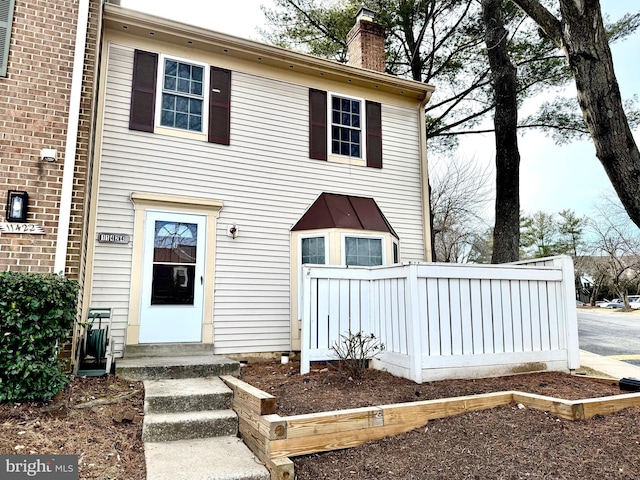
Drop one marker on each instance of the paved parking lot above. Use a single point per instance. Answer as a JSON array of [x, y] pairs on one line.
[[611, 333]]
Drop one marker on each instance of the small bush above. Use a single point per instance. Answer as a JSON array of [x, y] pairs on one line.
[[37, 311], [354, 350]]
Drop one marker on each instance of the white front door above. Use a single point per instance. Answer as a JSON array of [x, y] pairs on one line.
[[172, 277]]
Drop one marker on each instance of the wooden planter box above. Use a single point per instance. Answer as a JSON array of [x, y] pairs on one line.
[[273, 439]]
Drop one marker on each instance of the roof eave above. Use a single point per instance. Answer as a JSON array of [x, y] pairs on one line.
[[144, 25]]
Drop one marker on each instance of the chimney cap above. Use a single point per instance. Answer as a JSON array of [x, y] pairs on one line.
[[365, 14]]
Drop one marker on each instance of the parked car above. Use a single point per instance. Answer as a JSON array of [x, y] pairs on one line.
[[615, 303], [634, 301], [580, 304], [602, 303]]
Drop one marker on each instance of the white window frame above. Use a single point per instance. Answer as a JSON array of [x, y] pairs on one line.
[[343, 245], [160, 91], [363, 130], [327, 252]]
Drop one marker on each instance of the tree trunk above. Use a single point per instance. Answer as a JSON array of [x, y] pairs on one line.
[[587, 49], [582, 35], [506, 232]]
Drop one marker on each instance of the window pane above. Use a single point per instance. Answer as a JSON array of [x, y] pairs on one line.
[[184, 70], [365, 252], [355, 106], [196, 88], [182, 120], [355, 150], [335, 147], [346, 105], [313, 250], [167, 118], [195, 107], [195, 123], [344, 149], [183, 85], [168, 102], [196, 73], [335, 103], [170, 67], [169, 83], [182, 104], [355, 121]]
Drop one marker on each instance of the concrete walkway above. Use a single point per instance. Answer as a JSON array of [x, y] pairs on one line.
[[608, 366]]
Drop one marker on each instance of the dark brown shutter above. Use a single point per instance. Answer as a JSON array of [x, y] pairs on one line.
[[220, 106], [143, 91], [317, 124], [6, 19], [374, 135]]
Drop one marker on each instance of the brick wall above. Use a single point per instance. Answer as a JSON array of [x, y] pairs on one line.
[[34, 109]]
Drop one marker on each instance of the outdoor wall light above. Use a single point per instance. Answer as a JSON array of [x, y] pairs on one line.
[[232, 230], [48, 155], [17, 203]]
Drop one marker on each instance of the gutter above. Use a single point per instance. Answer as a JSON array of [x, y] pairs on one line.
[[64, 215], [424, 180]]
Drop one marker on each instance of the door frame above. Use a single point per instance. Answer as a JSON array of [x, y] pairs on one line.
[[143, 202]]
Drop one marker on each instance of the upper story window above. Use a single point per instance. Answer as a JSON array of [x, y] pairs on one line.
[[344, 129], [182, 95], [178, 97], [346, 126]]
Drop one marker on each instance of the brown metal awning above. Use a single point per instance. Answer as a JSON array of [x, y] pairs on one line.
[[331, 210]]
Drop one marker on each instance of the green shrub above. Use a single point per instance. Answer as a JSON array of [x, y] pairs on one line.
[[37, 312]]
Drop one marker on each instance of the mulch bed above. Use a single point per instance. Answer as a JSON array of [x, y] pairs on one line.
[[509, 442], [98, 419], [504, 443]]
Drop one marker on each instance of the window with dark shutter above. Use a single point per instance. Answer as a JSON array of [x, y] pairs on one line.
[[220, 106], [374, 135], [6, 19], [143, 91], [317, 124]]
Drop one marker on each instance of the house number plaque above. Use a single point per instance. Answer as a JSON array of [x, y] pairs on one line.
[[122, 238], [7, 227]]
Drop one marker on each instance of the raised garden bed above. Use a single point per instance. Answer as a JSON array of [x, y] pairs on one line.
[[275, 438]]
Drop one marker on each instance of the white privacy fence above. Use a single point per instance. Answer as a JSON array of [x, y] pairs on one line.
[[446, 320]]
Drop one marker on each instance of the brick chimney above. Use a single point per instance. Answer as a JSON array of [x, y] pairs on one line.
[[365, 42]]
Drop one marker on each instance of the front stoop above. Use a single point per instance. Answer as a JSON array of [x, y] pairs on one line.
[[189, 429], [191, 366]]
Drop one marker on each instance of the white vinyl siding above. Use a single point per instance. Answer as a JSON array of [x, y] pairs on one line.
[[266, 182]]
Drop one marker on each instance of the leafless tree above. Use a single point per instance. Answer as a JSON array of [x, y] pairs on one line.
[[616, 241], [461, 190]]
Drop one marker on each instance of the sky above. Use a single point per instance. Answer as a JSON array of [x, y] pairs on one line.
[[552, 177]]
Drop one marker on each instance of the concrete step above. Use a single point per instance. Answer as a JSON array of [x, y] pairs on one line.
[[222, 458], [193, 366], [168, 350], [166, 427], [186, 395]]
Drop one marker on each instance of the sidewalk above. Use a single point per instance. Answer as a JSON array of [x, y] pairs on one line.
[[608, 366]]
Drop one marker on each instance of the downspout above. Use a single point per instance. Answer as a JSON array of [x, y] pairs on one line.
[[424, 180], [64, 216]]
